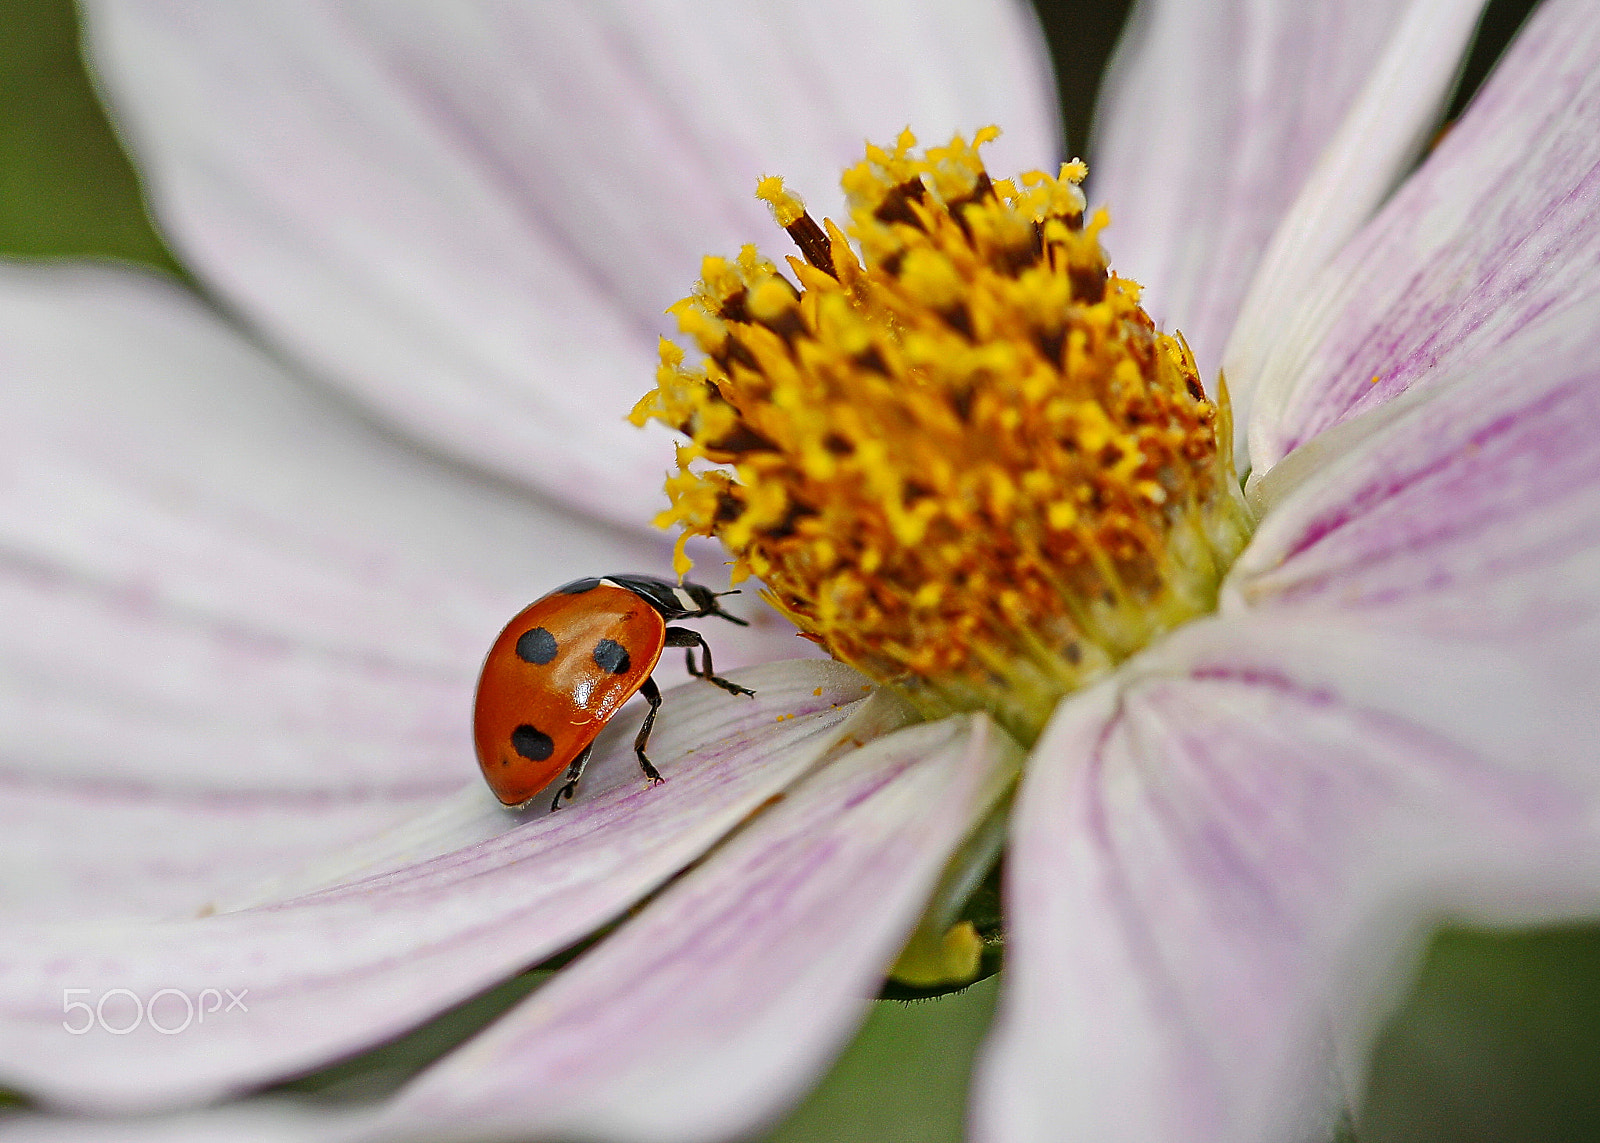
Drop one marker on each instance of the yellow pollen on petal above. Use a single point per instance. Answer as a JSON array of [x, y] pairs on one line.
[[947, 438]]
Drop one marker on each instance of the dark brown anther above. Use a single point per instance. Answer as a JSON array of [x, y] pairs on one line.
[[733, 308], [813, 242], [1088, 284], [733, 350], [792, 516], [743, 439], [1012, 260], [1050, 344], [871, 359], [959, 319], [787, 325], [896, 205], [982, 188]]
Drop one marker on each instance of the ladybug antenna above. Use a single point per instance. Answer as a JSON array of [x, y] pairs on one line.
[[716, 610]]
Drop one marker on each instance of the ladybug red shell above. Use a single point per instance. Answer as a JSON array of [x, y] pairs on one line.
[[566, 663]]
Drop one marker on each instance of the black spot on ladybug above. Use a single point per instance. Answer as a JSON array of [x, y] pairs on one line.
[[532, 743], [579, 586], [609, 655], [537, 646]]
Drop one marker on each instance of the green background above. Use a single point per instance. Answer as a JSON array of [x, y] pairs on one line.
[[1499, 1039]]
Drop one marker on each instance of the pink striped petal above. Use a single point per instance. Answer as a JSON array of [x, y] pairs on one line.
[[1379, 139], [713, 1011], [1219, 856], [1219, 861], [1474, 514], [343, 968], [1499, 226], [239, 625], [213, 577], [80, 849], [1214, 116], [471, 217]]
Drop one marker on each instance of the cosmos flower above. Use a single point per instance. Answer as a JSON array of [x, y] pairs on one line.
[[249, 575]]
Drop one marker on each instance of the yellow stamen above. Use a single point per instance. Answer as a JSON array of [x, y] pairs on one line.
[[953, 446]]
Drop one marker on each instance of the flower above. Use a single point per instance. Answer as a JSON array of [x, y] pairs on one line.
[[261, 610]]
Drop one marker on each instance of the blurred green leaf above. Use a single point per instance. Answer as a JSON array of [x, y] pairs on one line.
[[66, 188], [1498, 1041], [904, 1077]]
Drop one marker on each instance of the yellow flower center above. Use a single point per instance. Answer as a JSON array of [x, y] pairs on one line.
[[952, 445]]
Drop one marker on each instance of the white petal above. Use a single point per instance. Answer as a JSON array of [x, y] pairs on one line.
[[1215, 114], [1498, 227], [343, 968], [1222, 854], [238, 623], [1378, 141], [213, 575], [78, 848], [1473, 515], [472, 216], [707, 1015], [1219, 860]]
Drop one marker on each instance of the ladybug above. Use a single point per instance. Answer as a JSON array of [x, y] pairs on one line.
[[566, 663]]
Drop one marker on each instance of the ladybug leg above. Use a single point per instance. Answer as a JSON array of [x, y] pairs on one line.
[[652, 695], [683, 637], [574, 772]]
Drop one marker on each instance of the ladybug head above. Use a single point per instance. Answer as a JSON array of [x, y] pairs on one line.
[[706, 602], [676, 600]]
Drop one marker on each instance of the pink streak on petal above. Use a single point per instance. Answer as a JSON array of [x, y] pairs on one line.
[[85, 850], [712, 1011], [1211, 120], [1475, 511], [1388, 123], [1219, 857], [470, 217], [1500, 226], [213, 577], [1218, 862], [342, 968]]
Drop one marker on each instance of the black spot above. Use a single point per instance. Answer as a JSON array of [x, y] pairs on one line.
[[532, 743], [609, 655], [579, 586], [537, 646]]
